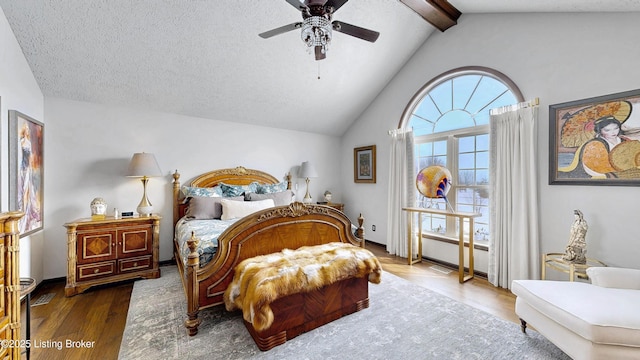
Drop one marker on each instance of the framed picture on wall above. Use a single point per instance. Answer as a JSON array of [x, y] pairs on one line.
[[364, 164], [596, 141], [26, 169]]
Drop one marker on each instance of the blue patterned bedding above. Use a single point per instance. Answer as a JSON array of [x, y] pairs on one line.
[[205, 230]]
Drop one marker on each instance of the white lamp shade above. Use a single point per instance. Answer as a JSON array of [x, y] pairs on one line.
[[307, 170], [144, 164]]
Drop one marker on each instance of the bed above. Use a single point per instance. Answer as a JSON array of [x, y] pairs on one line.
[[263, 232]]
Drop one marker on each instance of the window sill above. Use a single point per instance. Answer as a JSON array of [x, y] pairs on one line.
[[482, 245]]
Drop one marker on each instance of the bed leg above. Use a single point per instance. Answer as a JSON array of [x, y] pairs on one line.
[[523, 325], [192, 288], [192, 323]]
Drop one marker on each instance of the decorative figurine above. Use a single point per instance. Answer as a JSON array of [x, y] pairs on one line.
[[576, 250], [98, 209]]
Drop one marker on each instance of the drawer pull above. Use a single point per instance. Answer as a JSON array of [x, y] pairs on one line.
[[96, 271], [135, 264]]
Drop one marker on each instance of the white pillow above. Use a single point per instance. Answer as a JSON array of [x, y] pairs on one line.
[[237, 209], [612, 277]]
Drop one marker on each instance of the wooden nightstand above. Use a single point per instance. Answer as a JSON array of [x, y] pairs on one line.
[[110, 250], [336, 206]]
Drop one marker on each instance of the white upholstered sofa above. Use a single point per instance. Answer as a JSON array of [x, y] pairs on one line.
[[600, 320]]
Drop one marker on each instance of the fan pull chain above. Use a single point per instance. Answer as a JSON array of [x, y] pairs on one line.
[[318, 62]]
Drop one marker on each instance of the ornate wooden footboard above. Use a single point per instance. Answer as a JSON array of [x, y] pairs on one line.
[[264, 232], [298, 313]]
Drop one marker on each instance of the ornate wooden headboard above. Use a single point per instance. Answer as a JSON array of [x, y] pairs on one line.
[[235, 176]]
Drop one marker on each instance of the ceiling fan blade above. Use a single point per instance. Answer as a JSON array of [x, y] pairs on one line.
[[361, 33], [335, 4], [280, 30], [298, 5], [319, 54]]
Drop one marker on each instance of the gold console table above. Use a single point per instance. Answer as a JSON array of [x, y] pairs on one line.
[[556, 262], [460, 216]]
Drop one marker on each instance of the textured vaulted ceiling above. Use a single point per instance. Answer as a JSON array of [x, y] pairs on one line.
[[204, 58]]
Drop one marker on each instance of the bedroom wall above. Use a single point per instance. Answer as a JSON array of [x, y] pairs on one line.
[[18, 91], [556, 57], [89, 147]]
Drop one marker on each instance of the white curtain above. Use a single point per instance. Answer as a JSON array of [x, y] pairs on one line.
[[514, 242], [401, 190]]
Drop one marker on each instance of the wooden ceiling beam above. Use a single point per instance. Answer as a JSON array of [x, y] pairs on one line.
[[438, 13]]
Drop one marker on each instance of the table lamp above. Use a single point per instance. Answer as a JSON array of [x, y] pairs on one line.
[[144, 165], [307, 171]]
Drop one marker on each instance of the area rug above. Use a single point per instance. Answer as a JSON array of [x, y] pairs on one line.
[[404, 321]]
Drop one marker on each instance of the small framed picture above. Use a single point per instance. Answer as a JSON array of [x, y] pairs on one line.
[[364, 164]]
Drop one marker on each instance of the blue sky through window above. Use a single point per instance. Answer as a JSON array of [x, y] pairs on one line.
[[460, 102]]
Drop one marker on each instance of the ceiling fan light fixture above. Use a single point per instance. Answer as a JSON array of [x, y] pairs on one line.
[[317, 26], [316, 31]]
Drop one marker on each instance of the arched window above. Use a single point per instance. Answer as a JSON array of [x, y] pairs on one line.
[[450, 121]]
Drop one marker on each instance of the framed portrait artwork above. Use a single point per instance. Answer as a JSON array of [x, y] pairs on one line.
[[364, 164], [596, 141], [26, 169]]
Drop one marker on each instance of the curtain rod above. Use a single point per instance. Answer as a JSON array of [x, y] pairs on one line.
[[522, 105], [399, 131]]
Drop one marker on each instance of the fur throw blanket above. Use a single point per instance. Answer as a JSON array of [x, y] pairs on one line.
[[261, 280]]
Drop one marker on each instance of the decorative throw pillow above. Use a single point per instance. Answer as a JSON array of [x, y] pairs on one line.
[[279, 198], [237, 190], [189, 191], [271, 188], [206, 208], [612, 277], [238, 209]]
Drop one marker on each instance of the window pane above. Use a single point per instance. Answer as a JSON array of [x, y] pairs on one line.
[[482, 177], [488, 90], [465, 196], [431, 153], [466, 144], [440, 147], [425, 149], [466, 161], [439, 225], [441, 95], [420, 127], [465, 208], [466, 177], [463, 87], [484, 219], [482, 160], [482, 142], [456, 119], [427, 110], [439, 160], [435, 224]]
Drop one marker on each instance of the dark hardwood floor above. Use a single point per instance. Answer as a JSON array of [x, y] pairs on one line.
[[98, 316]]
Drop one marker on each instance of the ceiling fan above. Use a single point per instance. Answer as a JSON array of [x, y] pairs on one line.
[[317, 25]]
